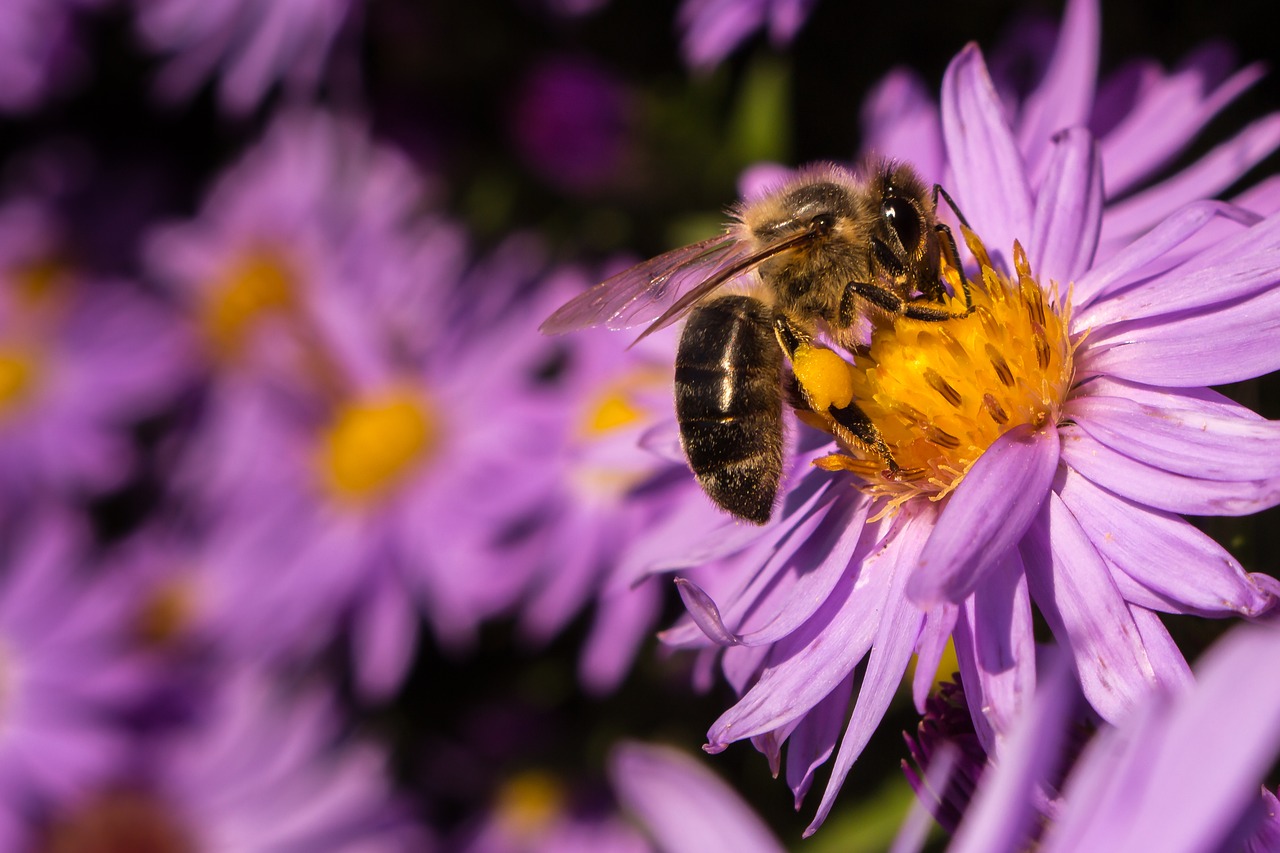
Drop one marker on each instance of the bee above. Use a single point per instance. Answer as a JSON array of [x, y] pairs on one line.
[[822, 255]]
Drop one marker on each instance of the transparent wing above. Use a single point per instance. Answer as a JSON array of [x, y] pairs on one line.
[[640, 294]]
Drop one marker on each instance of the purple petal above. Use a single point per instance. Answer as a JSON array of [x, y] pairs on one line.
[[938, 624], [807, 665], [815, 738], [623, 621], [900, 119], [1162, 552], [1180, 778], [895, 640], [986, 515], [1074, 591], [1184, 439], [1001, 814], [991, 183], [683, 805], [1142, 257], [1166, 658], [1068, 213], [705, 613], [1158, 124], [1226, 344], [1207, 177], [995, 645], [1239, 266], [384, 635], [1064, 96], [1159, 489]]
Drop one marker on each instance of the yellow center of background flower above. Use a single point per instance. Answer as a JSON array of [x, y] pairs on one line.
[[166, 613], [941, 392], [528, 803], [258, 284], [17, 377], [371, 444], [118, 820]]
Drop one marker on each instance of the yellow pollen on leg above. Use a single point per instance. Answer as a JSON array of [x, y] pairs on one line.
[[940, 393], [256, 285], [371, 444], [824, 375]]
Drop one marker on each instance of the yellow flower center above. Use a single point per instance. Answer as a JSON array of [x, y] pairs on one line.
[[166, 612], [39, 282], [118, 820], [257, 285], [528, 803], [941, 392], [18, 374], [371, 444]]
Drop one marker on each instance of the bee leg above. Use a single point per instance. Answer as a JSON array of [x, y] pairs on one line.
[[856, 422], [849, 417], [882, 298], [949, 240]]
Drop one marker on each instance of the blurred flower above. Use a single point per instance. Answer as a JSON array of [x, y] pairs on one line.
[[373, 424], [254, 771], [678, 803], [82, 361], [65, 682], [711, 29], [249, 45], [1049, 440], [38, 49], [572, 122], [1181, 773]]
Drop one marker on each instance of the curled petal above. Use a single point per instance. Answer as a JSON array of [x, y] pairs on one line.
[[986, 515], [705, 613]]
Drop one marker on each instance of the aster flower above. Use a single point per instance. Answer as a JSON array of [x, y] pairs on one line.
[[1048, 443], [65, 680], [38, 50], [250, 46], [711, 29], [1182, 772], [678, 804], [82, 360], [256, 770]]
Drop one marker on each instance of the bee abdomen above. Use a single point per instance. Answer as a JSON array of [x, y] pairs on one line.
[[729, 404]]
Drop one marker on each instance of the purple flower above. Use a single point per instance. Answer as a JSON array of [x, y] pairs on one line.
[[372, 424], [1051, 440], [1181, 772], [713, 28], [38, 50], [678, 804], [82, 360], [257, 770], [572, 121], [64, 678], [250, 46]]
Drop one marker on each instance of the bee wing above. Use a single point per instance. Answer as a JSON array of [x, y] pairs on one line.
[[639, 294]]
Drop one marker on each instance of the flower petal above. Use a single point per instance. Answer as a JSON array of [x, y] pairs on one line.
[[1186, 440], [1240, 266], [1074, 592], [995, 645], [705, 613], [895, 640], [932, 645], [1068, 213], [1149, 254], [812, 661], [1207, 177], [991, 183], [1162, 552], [1166, 658], [986, 515], [900, 119], [815, 738], [1159, 489], [1064, 95], [683, 805]]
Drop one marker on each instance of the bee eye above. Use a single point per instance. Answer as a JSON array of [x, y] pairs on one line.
[[905, 221]]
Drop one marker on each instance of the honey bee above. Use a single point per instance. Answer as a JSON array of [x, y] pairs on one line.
[[823, 254]]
